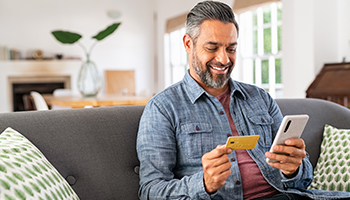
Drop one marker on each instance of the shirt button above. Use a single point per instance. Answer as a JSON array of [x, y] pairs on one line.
[[197, 128], [229, 135], [262, 120], [233, 159], [238, 182], [221, 112]]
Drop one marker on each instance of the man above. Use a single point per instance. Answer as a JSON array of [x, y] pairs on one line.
[[183, 128]]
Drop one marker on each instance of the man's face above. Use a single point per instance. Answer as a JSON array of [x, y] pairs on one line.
[[213, 56]]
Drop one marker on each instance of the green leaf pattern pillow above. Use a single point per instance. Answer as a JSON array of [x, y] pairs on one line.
[[25, 173], [332, 171]]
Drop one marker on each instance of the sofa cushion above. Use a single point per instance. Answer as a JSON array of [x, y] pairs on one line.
[[332, 171], [25, 173]]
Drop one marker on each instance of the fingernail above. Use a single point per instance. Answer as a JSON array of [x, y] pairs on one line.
[[275, 148], [229, 151]]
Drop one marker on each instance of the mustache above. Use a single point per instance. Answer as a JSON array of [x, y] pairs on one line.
[[229, 64]]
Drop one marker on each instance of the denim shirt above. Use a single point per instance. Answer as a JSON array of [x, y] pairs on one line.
[[183, 122]]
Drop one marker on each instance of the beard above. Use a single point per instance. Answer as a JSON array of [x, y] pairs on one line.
[[205, 74]]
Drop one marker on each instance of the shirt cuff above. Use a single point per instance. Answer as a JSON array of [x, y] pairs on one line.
[[300, 180], [196, 187]]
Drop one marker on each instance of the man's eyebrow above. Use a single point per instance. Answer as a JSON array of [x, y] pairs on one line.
[[216, 43]]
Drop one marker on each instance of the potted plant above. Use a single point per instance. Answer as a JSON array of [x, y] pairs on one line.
[[89, 79]]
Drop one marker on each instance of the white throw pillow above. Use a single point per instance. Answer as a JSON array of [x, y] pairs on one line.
[[332, 171], [25, 173]]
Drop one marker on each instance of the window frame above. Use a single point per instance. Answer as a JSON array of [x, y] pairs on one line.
[[251, 59]]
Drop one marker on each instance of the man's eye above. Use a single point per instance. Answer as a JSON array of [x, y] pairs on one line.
[[231, 50], [211, 49]]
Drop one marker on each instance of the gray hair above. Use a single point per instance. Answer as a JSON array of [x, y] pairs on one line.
[[208, 10]]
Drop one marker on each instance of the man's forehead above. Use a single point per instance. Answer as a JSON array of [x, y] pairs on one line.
[[216, 31]]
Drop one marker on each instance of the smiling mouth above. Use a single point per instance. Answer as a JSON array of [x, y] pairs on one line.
[[219, 68]]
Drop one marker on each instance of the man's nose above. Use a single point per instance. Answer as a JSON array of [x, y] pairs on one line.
[[222, 57]]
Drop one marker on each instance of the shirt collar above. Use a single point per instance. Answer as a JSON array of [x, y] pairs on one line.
[[195, 91]]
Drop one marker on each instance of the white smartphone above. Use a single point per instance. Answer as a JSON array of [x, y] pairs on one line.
[[292, 126]]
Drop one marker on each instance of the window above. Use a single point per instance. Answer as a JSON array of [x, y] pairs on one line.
[[175, 55], [261, 49]]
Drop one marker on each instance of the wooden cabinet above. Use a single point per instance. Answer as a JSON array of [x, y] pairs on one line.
[[332, 83]]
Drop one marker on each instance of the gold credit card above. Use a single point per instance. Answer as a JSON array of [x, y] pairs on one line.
[[242, 142]]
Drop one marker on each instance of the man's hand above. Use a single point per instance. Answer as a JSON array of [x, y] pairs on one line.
[[216, 168], [289, 164]]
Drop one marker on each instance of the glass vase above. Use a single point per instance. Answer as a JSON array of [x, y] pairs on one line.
[[89, 80]]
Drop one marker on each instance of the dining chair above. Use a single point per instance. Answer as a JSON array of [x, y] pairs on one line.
[[39, 101]]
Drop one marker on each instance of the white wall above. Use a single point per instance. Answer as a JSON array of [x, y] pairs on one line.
[[26, 26], [344, 30], [315, 32]]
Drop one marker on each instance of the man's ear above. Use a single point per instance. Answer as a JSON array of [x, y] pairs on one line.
[[188, 43]]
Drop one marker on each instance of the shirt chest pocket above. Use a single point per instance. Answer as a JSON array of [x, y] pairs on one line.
[[261, 125], [195, 139]]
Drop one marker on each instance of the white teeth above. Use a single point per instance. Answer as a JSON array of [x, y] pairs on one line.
[[220, 69]]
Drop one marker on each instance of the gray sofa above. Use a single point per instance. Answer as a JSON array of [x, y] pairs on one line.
[[94, 148]]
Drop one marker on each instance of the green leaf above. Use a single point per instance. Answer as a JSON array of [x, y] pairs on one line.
[[18, 176], [47, 197], [35, 187], [54, 195], [346, 150], [12, 180], [41, 184], [347, 156], [7, 197], [335, 170], [28, 190], [66, 37], [5, 184], [347, 187], [329, 178], [59, 194], [109, 30], [333, 156], [340, 187], [340, 156], [3, 168], [342, 163], [20, 194], [37, 169], [334, 163], [337, 178], [337, 143]]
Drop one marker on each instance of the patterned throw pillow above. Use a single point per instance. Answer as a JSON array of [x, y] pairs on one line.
[[332, 171], [26, 174]]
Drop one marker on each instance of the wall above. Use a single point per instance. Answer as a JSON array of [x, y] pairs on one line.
[[315, 32], [26, 26], [343, 30], [297, 46]]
